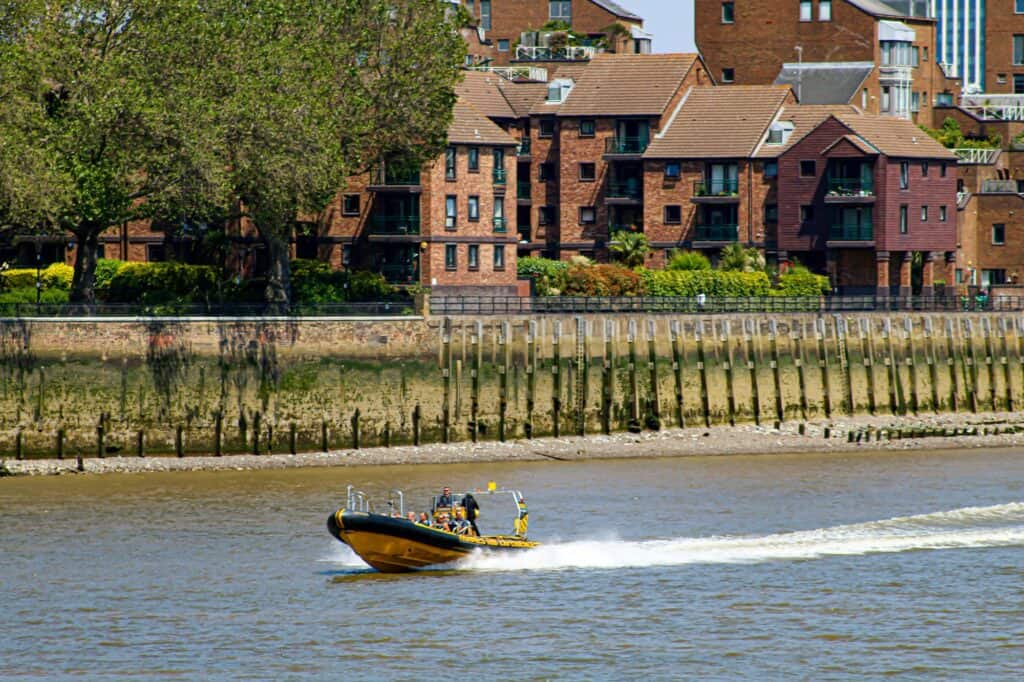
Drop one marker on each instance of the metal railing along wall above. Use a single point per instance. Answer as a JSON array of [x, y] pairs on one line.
[[571, 305], [363, 309]]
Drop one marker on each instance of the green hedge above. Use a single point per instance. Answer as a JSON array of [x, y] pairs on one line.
[[28, 295], [314, 282], [801, 284], [711, 283], [549, 276], [602, 280], [55, 276], [154, 283]]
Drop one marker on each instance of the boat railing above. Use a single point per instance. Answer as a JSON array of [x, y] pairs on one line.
[[401, 502], [358, 501]]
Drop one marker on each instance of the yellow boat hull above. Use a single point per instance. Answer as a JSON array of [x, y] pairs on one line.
[[394, 545]]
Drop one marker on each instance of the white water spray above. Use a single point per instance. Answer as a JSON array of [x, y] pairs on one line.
[[970, 527]]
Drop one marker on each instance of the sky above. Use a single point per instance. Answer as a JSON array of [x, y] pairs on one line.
[[671, 22]]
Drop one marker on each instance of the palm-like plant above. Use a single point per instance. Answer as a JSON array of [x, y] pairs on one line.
[[736, 258], [629, 248]]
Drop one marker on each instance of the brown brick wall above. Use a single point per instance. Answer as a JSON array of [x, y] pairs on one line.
[[976, 248], [1001, 24]]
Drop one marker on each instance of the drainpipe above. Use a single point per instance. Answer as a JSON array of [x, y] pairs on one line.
[[750, 202]]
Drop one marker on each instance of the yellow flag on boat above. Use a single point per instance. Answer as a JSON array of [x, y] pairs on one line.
[[491, 486]]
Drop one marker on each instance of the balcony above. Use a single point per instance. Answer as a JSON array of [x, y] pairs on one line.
[[716, 191], [500, 225], [626, 147], [624, 191], [394, 226], [523, 191], [500, 176], [523, 148], [402, 273], [850, 191], [715, 235], [858, 233], [571, 53], [383, 179]]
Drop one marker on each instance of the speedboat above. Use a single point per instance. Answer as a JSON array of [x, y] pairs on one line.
[[391, 542]]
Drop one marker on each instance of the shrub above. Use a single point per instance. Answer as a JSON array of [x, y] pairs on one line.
[[58, 276], [629, 248], [19, 278], [801, 284], [712, 283], [55, 276], [315, 282], [688, 260], [106, 268], [603, 280], [548, 275], [154, 283], [369, 286], [28, 295]]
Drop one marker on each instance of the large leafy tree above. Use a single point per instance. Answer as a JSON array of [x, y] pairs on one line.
[[96, 125], [310, 92]]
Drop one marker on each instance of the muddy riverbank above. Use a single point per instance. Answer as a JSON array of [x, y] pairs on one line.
[[848, 435]]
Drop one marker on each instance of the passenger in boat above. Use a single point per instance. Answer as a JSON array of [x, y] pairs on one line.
[[461, 525], [444, 523], [445, 500], [424, 519], [411, 516]]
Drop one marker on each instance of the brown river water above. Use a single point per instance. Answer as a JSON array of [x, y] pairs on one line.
[[907, 565]]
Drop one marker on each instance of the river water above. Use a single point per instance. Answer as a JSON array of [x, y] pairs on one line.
[[819, 567]]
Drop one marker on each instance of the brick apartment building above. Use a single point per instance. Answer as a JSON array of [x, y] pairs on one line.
[[877, 56], [1004, 47], [604, 25]]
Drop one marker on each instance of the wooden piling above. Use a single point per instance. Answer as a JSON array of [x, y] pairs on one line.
[[417, 416], [826, 384], [446, 379], [931, 361], [892, 369], [634, 389], [911, 360], [1004, 362], [581, 365], [355, 430], [1019, 329], [256, 433], [218, 433], [387, 434], [730, 396], [773, 344], [179, 441], [531, 378], [324, 440], [970, 358], [796, 334], [954, 391], [504, 354], [293, 439], [556, 378], [140, 443], [698, 332], [18, 452], [60, 442], [841, 334], [476, 351], [101, 448], [750, 358], [993, 392], [867, 348], [676, 335], [652, 367]]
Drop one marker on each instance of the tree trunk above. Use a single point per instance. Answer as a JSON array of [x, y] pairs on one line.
[[83, 283], [279, 285]]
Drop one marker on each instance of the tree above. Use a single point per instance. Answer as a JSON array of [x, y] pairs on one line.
[[737, 258], [309, 92], [95, 125], [629, 248]]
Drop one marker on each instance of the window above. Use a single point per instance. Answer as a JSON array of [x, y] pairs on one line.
[[499, 256], [546, 215], [559, 89], [346, 255], [1018, 50], [474, 209], [485, 15], [350, 204], [942, 169], [886, 97], [924, 214], [673, 215], [771, 213], [474, 159], [306, 246], [806, 213], [503, 45], [673, 170], [449, 163], [864, 99], [990, 277], [449, 212], [924, 169], [904, 174], [587, 128], [588, 172], [942, 214], [546, 127], [451, 256], [771, 169], [588, 216], [1018, 84], [999, 234], [1018, 6], [499, 214], [473, 257], [728, 75], [546, 171], [924, 53], [805, 10], [903, 219], [915, 101], [156, 253], [808, 169], [915, 57], [560, 10], [824, 10], [728, 12]]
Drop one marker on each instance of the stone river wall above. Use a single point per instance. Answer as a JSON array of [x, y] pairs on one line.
[[159, 386]]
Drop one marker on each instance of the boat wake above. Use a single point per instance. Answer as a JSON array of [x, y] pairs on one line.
[[970, 527]]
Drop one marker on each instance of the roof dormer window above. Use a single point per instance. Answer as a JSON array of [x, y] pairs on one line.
[[779, 132], [558, 90]]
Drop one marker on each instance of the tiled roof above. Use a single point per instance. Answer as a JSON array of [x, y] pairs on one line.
[[627, 85], [470, 126], [876, 8], [895, 137], [617, 9], [858, 142], [719, 122], [804, 118], [483, 91], [825, 82], [523, 96]]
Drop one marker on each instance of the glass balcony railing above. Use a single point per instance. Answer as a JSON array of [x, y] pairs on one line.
[[394, 176], [716, 233], [851, 187], [625, 189], [523, 148], [385, 224], [626, 145], [851, 232], [720, 187], [500, 225], [499, 175]]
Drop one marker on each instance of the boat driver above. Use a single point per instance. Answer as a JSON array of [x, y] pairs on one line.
[[445, 500]]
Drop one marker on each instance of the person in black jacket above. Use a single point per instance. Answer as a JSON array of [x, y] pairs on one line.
[[472, 509]]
